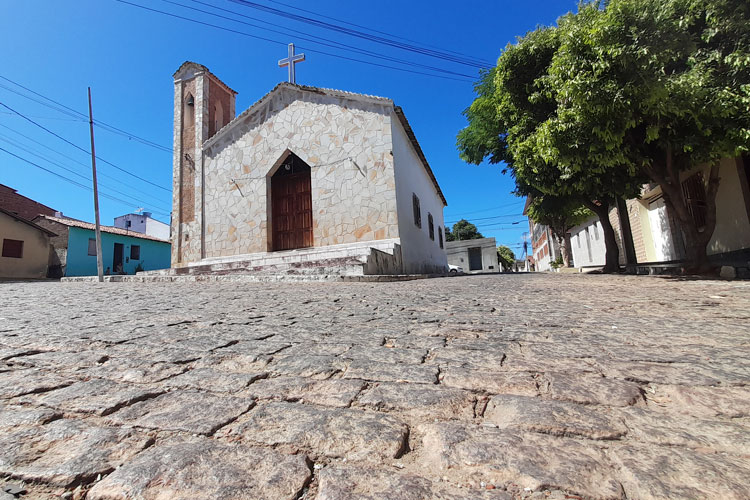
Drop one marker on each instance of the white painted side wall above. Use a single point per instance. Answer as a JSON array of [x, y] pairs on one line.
[[157, 228], [587, 244], [420, 254]]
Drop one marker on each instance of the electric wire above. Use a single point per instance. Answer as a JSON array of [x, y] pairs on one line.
[[66, 179], [84, 150], [76, 173], [69, 158], [365, 36], [309, 37], [309, 49], [62, 108]]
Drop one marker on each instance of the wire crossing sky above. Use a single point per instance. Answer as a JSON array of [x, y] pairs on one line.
[[423, 55]]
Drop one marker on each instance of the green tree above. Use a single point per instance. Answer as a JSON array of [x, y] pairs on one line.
[[508, 123], [465, 230], [506, 257], [660, 87], [561, 214], [448, 234]]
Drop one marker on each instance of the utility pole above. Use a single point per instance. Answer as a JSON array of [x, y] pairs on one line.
[[99, 266]]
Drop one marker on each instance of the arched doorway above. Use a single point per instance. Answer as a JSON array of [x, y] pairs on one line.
[[291, 205]]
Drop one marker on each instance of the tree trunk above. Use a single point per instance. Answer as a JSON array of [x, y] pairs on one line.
[[696, 241], [565, 250], [612, 259]]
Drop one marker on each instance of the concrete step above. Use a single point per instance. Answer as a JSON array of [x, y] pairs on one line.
[[340, 266]]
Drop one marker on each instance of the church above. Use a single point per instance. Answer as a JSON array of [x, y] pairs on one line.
[[305, 174]]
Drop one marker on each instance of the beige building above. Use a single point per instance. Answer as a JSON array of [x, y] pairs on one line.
[[302, 168], [26, 248], [473, 256], [656, 232]]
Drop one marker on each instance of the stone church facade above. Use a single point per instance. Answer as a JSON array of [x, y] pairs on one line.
[[303, 167]]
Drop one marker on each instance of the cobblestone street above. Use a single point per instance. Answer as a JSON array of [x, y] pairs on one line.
[[543, 386]]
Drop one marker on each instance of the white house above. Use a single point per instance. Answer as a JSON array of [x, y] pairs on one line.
[[143, 223]]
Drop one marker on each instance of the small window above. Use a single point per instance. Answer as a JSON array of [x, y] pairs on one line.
[[430, 226], [417, 211], [440, 236], [135, 252], [92, 246], [127, 223], [13, 248]]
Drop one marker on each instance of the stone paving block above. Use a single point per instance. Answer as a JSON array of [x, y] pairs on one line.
[[332, 392], [320, 367], [420, 400], [317, 349], [358, 483], [449, 356], [60, 360], [234, 363], [553, 417], [386, 372], [512, 459], [520, 383], [206, 469], [700, 401], [18, 382], [135, 370], [590, 389], [659, 373], [97, 396], [15, 416], [64, 452], [207, 379], [386, 354], [339, 432], [655, 427], [653, 473], [415, 342], [187, 411]]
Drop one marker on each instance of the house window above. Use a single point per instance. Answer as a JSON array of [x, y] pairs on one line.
[[127, 223], [440, 236], [430, 226], [135, 252], [92, 246], [694, 192], [13, 248], [417, 211]]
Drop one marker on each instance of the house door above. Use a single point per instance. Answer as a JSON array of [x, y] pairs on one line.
[[475, 259], [291, 203], [118, 258]]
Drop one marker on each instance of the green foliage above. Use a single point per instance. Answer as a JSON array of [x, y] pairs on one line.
[[465, 230], [557, 263], [448, 234], [560, 213], [506, 257]]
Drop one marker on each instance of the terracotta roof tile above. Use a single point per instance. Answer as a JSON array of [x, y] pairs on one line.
[[105, 229]]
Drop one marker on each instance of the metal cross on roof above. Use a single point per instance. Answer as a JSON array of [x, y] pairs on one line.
[[290, 61]]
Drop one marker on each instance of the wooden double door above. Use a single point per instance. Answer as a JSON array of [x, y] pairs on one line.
[[291, 204]]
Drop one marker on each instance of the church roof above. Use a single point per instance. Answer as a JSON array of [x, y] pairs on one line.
[[337, 93], [201, 67]]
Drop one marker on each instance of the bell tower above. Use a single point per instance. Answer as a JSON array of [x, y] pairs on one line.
[[203, 104]]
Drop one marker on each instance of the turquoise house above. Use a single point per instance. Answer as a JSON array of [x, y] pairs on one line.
[[123, 251]]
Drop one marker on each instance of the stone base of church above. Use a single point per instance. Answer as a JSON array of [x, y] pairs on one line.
[[368, 258]]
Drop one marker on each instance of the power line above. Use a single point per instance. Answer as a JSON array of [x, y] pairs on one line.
[[486, 218], [69, 158], [487, 209], [31, 152], [368, 29], [371, 63], [307, 36], [66, 179], [365, 36], [82, 149], [62, 108]]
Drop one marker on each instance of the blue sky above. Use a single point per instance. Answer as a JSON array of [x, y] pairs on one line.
[[127, 56]]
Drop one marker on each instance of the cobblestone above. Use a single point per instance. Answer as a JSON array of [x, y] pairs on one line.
[[531, 387]]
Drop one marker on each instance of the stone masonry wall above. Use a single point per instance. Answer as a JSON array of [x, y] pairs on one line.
[[347, 145]]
